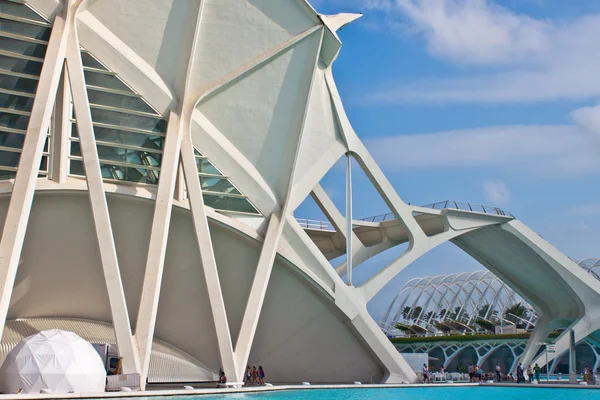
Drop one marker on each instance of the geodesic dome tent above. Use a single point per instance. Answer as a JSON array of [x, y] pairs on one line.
[[55, 360]]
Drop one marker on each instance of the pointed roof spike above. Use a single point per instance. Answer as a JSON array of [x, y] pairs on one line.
[[337, 21]]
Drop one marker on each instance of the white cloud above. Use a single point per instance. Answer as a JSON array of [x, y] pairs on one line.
[[589, 119], [532, 60], [548, 150], [496, 192], [472, 31]]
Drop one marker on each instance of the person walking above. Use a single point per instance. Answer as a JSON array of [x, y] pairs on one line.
[[254, 375], [248, 376], [536, 371], [261, 375], [498, 373], [530, 374], [520, 373], [426, 374]]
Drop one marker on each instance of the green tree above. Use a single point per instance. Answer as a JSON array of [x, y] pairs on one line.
[[516, 314], [416, 312], [406, 312]]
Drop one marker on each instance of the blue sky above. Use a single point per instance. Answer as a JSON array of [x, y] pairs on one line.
[[486, 101]]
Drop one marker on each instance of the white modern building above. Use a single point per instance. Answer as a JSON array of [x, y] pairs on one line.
[[152, 155]]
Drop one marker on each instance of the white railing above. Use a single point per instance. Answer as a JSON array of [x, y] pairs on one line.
[[441, 205]]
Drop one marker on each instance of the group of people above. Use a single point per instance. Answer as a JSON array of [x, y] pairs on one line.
[[254, 376], [476, 374]]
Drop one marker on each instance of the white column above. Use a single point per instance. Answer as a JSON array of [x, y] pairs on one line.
[[258, 290], [349, 231], [207, 256], [21, 199], [99, 206], [60, 130], [146, 319]]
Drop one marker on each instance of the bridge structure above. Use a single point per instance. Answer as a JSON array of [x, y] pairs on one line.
[[562, 294]]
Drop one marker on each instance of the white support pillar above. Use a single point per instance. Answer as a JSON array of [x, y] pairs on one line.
[[258, 291], [21, 200], [146, 319], [60, 129], [349, 231], [99, 206], [274, 232], [207, 256]]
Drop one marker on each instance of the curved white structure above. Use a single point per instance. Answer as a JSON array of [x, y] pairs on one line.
[[56, 361], [152, 154]]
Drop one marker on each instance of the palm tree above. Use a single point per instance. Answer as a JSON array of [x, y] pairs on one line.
[[516, 314], [416, 312], [406, 312]]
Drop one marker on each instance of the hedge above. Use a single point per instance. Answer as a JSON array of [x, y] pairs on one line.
[[464, 338]]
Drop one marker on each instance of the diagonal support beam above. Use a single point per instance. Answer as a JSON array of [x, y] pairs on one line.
[[207, 257], [258, 290], [21, 200], [273, 234], [100, 213], [170, 184], [157, 249], [371, 287]]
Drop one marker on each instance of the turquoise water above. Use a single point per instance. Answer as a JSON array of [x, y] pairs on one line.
[[433, 393]]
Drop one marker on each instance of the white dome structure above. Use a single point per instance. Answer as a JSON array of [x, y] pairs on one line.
[[54, 360]]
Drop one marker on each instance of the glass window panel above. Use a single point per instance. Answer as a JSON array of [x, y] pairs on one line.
[[19, 84], [75, 149], [220, 185], [76, 167], [46, 144], [112, 172], [206, 167], [44, 164], [111, 154], [21, 47], [13, 121], [18, 65], [150, 142], [19, 10], [119, 101], [143, 158], [74, 132], [15, 102], [128, 120], [105, 81], [228, 203], [9, 159], [89, 61], [6, 175], [121, 173], [23, 29], [13, 140]]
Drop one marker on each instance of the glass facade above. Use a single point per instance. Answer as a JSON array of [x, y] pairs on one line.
[[218, 192], [24, 37], [130, 138], [129, 133]]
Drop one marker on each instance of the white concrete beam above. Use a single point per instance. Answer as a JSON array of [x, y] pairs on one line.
[[207, 256], [157, 249], [273, 235], [258, 291], [17, 217], [168, 181], [60, 129], [99, 206]]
